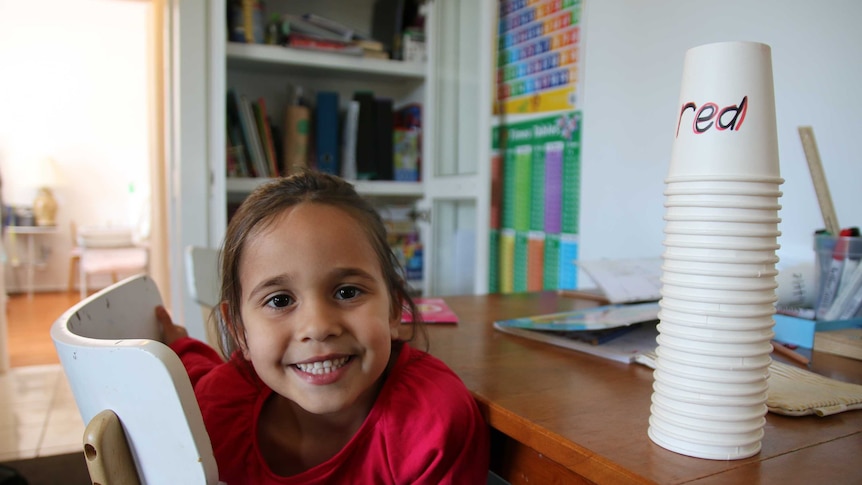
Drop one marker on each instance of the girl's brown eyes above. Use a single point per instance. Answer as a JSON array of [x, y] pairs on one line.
[[347, 293], [280, 301]]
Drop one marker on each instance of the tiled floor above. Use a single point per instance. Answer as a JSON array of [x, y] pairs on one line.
[[38, 416]]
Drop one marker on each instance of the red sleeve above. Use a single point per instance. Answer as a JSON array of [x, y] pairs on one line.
[[198, 357]]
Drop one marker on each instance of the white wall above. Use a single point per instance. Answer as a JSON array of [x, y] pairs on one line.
[[74, 87], [633, 67]]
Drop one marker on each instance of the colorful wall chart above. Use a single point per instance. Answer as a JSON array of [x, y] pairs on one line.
[[536, 146], [538, 53], [535, 204]]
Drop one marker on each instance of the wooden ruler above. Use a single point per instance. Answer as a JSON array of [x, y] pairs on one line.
[[824, 198]]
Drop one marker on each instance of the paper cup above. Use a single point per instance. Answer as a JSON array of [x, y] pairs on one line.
[[692, 436], [726, 114], [684, 447], [725, 283], [712, 296], [730, 201], [709, 268], [721, 214], [706, 424], [755, 374], [722, 228], [718, 309], [708, 412], [712, 321], [720, 256], [712, 361], [714, 390], [717, 335], [718, 349], [719, 186], [712, 241]]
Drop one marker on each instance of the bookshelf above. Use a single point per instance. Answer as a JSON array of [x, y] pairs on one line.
[[453, 88], [277, 59]]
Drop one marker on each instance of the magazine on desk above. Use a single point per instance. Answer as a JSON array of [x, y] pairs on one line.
[[616, 332]]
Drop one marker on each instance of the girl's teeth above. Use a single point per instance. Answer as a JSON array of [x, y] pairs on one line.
[[322, 367]]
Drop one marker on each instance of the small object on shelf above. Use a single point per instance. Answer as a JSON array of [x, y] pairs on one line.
[[311, 42], [245, 21]]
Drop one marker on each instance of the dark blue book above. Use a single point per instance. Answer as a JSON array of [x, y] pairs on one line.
[[326, 132]]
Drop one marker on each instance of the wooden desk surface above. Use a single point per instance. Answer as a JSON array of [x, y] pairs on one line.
[[563, 412]]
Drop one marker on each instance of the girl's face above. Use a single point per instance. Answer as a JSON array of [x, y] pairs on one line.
[[316, 310]]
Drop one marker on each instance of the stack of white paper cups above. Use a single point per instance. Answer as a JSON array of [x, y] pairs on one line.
[[718, 279]]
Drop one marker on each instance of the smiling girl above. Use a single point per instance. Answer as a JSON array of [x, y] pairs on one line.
[[320, 386]]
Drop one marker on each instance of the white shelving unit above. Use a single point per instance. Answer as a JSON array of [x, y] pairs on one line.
[[453, 88]]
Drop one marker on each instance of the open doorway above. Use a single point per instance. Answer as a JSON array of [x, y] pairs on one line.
[[77, 87]]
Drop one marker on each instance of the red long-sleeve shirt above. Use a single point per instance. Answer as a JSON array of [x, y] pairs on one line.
[[424, 427]]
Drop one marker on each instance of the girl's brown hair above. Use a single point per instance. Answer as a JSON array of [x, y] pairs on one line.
[[262, 207]]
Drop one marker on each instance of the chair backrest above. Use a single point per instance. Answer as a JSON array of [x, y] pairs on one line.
[[203, 285], [109, 348], [202, 275]]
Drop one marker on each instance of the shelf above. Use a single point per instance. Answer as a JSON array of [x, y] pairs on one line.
[[271, 58], [370, 188]]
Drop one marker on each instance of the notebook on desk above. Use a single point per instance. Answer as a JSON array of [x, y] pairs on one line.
[[616, 332]]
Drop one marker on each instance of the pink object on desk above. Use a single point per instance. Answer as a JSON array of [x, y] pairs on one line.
[[432, 310]]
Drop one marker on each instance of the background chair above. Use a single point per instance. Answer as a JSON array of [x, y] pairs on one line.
[[130, 388], [202, 280], [109, 250]]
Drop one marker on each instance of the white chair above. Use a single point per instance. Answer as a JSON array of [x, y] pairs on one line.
[[202, 282], [131, 388], [109, 250]]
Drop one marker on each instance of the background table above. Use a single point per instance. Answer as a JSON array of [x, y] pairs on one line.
[[30, 233], [561, 416]]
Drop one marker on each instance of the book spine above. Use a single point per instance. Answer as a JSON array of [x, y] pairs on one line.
[[326, 132], [296, 128], [383, 139], [250, 130], [268, 144], [365, 157], [348, 152]]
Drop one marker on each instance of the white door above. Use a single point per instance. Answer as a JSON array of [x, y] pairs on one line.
[[457, 141]]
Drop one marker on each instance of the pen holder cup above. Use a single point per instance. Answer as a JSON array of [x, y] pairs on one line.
[[839, 276]]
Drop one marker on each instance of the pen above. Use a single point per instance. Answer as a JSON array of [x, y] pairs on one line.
[[782, 350]]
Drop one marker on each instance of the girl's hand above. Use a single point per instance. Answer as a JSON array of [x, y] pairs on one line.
[[170, 331]]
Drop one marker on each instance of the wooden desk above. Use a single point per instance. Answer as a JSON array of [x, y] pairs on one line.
[[560, 416]]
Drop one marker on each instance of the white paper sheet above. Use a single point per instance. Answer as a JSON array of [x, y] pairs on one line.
[[626, 280]]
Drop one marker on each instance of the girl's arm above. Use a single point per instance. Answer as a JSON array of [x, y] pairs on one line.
[[198, 357]]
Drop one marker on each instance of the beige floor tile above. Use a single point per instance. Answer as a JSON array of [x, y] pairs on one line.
[[19, 442]]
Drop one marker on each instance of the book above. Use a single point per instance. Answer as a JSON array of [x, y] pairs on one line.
[[313, 42], [265, 132], [616, 332], [432, 310], [296, 130], [296, 24], [344, 31], [250, 132], [383, 138], [365, 157], [238, 146], [846, 342], [348, 141], [387, 25], [326, 132]]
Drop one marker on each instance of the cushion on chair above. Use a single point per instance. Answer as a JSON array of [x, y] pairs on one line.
[[105, 237]]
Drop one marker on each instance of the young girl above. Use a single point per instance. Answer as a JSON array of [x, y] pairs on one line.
[[319, 387]]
